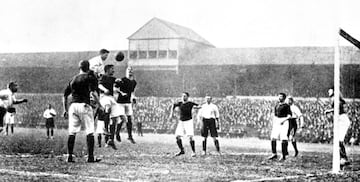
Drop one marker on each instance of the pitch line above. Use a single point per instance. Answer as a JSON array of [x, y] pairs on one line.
[[270, 179], [248, 153], [284, 178], [58, 175]]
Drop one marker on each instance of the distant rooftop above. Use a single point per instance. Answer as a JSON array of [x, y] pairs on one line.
[[161, 29]]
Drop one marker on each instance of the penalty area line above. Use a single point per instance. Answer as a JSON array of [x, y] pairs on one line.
[[57, 175]]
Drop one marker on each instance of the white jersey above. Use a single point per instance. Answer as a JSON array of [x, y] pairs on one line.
[[7, 98], [209, 111], [49, 113], [97, 65], [295, 111]]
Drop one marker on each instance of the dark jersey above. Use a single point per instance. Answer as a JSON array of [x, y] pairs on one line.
[[126, 86], [341, 106], [282, 110], [80, 87], [185, 110], [108, 82]]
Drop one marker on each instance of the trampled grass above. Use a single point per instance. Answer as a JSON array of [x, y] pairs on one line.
[[29, 156]]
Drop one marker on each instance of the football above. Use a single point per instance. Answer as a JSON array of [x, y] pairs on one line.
[[119, 56]]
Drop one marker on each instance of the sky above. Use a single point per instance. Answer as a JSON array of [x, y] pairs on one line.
[[83, 25]]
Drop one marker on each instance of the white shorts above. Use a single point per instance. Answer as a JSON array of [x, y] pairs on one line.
[[279, 132], [9, 118], [100, 127], [116, 110], [127, 107], [344, 124], [81, 113], [185, 128]]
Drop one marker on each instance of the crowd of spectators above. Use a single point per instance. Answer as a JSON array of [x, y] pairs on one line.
[[245, 116], [250, 117]]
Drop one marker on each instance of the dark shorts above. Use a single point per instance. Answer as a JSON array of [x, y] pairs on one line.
[[50, 123], [2, 115], [139, 124], [209, 124], [292, 126]]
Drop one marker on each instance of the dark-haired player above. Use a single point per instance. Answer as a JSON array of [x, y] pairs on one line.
[[282, 114], [107, 101], [97, 62], [185, 125], [344, 124], [126, 88], [80, 88], [7, 100]]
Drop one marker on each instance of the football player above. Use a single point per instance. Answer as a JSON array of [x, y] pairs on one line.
[[280, 127], [185, 125]]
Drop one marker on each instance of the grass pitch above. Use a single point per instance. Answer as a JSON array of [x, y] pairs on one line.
[[29, 156]]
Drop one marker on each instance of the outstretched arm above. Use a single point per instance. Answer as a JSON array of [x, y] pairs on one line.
[[20, 101]]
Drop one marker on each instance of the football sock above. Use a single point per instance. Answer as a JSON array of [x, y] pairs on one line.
[[106, 122], [204, 145], [179, 143], [112, 131], [118, 128], [47, 132], [295, 146], [52, 132], [6, 129], [284, 148], [106, 138], [12, 128], [90, 144], [273, 146], [99, 139], [71, 143], [217, 145], [129, 127], [192, 144], [342, 151]]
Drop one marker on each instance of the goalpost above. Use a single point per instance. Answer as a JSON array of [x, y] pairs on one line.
[[336, 147]]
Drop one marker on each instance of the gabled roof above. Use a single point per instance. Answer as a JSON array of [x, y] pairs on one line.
[[161, 29], [271, 55]]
